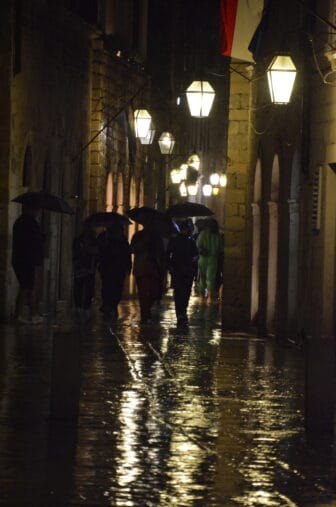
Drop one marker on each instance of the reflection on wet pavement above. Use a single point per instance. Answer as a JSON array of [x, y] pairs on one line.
[[168, 417]]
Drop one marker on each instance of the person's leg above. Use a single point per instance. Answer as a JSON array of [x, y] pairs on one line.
[[211, 279]]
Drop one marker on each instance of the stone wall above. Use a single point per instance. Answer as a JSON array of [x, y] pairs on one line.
[[235, 307], [49, 91]]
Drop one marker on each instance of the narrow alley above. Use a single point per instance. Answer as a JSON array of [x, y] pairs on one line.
[[166, 417]]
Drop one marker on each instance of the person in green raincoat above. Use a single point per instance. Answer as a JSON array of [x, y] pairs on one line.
[[211, 248]]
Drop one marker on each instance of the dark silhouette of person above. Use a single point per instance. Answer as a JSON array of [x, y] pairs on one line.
[[182, 256], [27, 260], [84, 257], [114, 263], [148, 269]]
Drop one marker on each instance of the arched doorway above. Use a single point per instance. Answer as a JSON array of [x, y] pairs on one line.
[[120, 194], [273, 239], [255, 244], [109, 192]]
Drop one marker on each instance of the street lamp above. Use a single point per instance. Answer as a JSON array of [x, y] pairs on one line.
[[142, 121], [200, 96], [166, 143], [281, 76]]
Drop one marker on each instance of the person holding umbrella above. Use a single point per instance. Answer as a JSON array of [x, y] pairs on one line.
[[27, 259], [148, 269], [114, 263], [182, 255]]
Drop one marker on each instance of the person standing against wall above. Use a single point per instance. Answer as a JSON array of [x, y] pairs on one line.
[[27, 260]]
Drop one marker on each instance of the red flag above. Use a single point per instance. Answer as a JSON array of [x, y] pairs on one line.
[[238, 22]]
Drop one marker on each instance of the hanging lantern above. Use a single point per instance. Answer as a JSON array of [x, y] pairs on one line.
[[192, 189], [149, 138], [176, 176], [223, 180], [194, 161], [200, 96], [281, 76], [214, 179], [166, 143], [207, 190], [142, 121]]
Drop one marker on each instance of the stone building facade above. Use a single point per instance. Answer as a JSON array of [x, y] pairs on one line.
[[64, 79]]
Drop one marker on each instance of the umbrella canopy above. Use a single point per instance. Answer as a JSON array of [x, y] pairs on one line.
[[44, 200], [107, 218], [189, 209], [145, 215]]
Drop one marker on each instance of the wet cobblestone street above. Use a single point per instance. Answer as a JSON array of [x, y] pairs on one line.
[[197, 418]]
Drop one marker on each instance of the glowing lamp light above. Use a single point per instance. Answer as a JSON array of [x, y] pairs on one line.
[[223, 180], [142, 121], [166, 143], [192, 189], [194, 161], [200, 96], [214, 179], [207, 190], [176, 176], [149, 138], [183, 189], [281, 76], [183, 171], [215, 190]]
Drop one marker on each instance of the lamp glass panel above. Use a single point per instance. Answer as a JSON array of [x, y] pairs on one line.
[[175, 176], [166, 143], [142, 121], [192, 189], [214, 179], [207, 190], [215, 190], [223, 180], [281, 76], [183, 190], [200, 97]]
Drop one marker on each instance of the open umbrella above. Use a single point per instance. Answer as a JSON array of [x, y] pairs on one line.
[[145, 215], [107, 218], [44, 200], [189, 209]]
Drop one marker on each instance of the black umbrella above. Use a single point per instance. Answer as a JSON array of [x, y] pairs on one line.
[[189, 209], [107, 218], [145, 215], [44, 200]]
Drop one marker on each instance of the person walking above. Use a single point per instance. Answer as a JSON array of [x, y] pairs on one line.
[[148, 268], [182, 255], [27, 260], [114, 263], [210, 246], [84, 257]]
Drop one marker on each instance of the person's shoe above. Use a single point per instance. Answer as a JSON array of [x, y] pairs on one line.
[[37, 319]]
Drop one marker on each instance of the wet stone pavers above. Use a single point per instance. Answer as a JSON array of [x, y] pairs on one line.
[[167, 417]]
